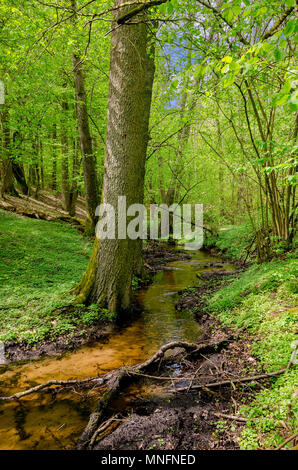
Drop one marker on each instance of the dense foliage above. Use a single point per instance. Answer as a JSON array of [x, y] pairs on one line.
[[223, 119]]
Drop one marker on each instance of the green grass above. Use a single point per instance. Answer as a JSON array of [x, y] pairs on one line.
[[263, 300], [40, 263]]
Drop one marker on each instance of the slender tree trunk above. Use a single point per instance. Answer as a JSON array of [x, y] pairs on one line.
[[19, 174], [65, 186], [7, 180], [107, 280], [41, 165], [54, 155], [88, 155], [68, 183], [75, 173], [18, 167]]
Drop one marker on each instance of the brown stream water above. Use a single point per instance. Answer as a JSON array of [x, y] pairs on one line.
[[41, 422]]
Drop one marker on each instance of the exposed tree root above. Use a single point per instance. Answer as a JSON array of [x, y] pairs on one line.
[[46, 387], [128, 375], [114, 381], [112, 378]]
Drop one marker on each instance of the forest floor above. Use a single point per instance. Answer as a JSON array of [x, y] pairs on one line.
[[256, 309], [173, 420], [41, 262]]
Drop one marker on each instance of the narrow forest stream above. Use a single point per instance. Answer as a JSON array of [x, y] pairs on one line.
[[49, 422]]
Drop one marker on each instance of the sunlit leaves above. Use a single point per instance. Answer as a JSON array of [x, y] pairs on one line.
[[227, 59], [229, 80], [290, 27]]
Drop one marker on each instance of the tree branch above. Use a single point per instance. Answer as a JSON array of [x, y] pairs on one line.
[[277, 24], [141, 7]]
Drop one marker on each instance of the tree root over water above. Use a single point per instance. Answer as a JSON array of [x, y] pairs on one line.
[[128, 375], [113, 383]]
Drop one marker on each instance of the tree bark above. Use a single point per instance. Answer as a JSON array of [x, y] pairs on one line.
[[54, 155], [108, 278], [88, 155], [89, 159], [19, 174], [17, 166], [7, 180]]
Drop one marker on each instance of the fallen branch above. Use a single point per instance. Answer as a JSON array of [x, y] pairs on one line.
[[289, 439], [103, 428], [129, 374], [233, 381], [107, 378], [45, 387], [232, 417], [138, 9]]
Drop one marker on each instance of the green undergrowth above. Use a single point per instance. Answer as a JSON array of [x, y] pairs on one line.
[[233, 242], [262, 301], [39, 265]]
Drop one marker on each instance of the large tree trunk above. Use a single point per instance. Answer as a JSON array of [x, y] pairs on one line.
[[6, 186], [107, 280], [149, 78]]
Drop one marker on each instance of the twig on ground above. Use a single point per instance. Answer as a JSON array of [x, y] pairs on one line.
[[289, 439]]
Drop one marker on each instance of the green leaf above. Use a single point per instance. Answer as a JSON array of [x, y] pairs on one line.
[[277, 54], [228, 59], [292, 179], [280, 99], [287, 87], [229, 80], [293, 107], [236, 9], [290, 27], [225, 68], [170, 8], [162, 8], [200, 71], [246, 12], [261, 11], [228, 14]]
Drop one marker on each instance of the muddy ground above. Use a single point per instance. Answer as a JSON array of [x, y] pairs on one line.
[[156, 256], [188, 420]]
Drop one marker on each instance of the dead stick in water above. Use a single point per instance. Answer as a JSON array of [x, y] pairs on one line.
[[42, 387], [190, 347]]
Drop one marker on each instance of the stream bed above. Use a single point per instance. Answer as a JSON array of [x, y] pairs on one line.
[[43, 421]]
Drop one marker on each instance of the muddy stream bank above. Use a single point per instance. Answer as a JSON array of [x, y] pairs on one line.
[[55, 422]]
